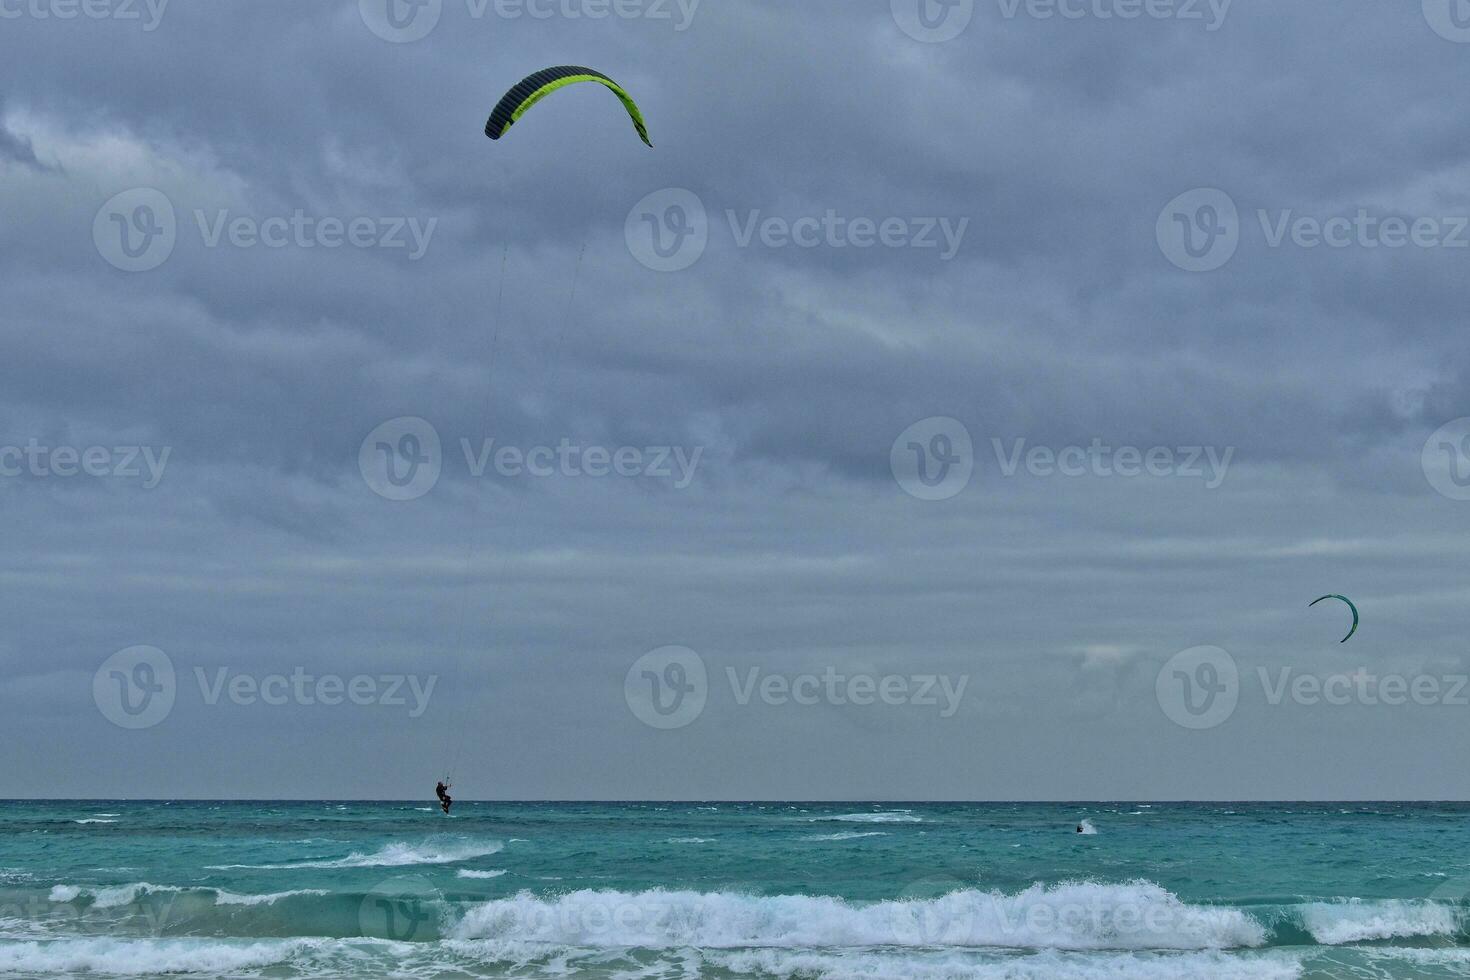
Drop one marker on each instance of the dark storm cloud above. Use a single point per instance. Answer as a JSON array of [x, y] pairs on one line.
[[1047, 146]]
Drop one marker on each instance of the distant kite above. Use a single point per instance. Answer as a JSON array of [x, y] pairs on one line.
[[1349, 605]]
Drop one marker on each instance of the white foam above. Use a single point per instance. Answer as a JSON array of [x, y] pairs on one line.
[[872, 818], [110, 957], [1045, 965], [94, 820], [109, 897], [395, 855], [466, 873], [850, 835], [1069, 916], [1087, 828], [222, 897], [1456, 960], [120, 895], [690, 840], [1355, 920]]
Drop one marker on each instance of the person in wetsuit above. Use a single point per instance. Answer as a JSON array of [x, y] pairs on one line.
[[441, 790]]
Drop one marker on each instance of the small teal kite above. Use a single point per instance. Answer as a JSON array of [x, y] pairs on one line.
[[1349, 605]]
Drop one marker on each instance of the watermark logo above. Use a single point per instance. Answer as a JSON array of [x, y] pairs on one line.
[[1199, 230], [667, 688], [935, 912], [135, 688], [405, 909], [136, 230], [933, 21], [1450, 19], [138, 687], [670, 687], [402, 458], [401, 21], [1446, 460], [933, 459], [1445, 903], [1199, 688], [668, 230]]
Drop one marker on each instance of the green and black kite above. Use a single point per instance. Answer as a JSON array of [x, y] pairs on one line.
[[533, 88]]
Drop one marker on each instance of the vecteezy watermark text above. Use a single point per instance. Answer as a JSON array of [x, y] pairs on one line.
[[838, 689], [937, 21], [306, 689], [405, 21], [144, 463], [300, 230], [1363, 686], [669, 230], [1200, 688], [137, 230], [148, 13], [1210, 13], [138, 687], [403, 458], [934, 458], [1099, 459], [1201, 230], [566, 458], [669, 687]]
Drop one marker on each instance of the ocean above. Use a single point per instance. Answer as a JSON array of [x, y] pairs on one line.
[[750, 890]]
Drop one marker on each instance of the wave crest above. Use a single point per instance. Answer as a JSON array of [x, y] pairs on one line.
[[1356, 921], [1069, 916], [396, 855]]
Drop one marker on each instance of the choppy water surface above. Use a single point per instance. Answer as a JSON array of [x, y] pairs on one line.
[[735, 890]]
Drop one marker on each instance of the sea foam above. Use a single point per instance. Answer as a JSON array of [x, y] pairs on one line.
[[116, 896], [1355, 920], [110, 957], [1070, 916], [395, 855]]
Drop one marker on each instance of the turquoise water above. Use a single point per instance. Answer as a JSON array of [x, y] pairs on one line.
[[734, 890]]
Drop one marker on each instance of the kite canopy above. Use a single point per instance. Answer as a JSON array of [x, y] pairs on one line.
[[533, 88]]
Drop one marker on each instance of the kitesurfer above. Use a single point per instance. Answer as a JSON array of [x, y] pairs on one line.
[[441, 790]]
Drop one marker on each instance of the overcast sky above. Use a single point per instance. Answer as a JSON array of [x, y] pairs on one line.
[[985, 360]]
